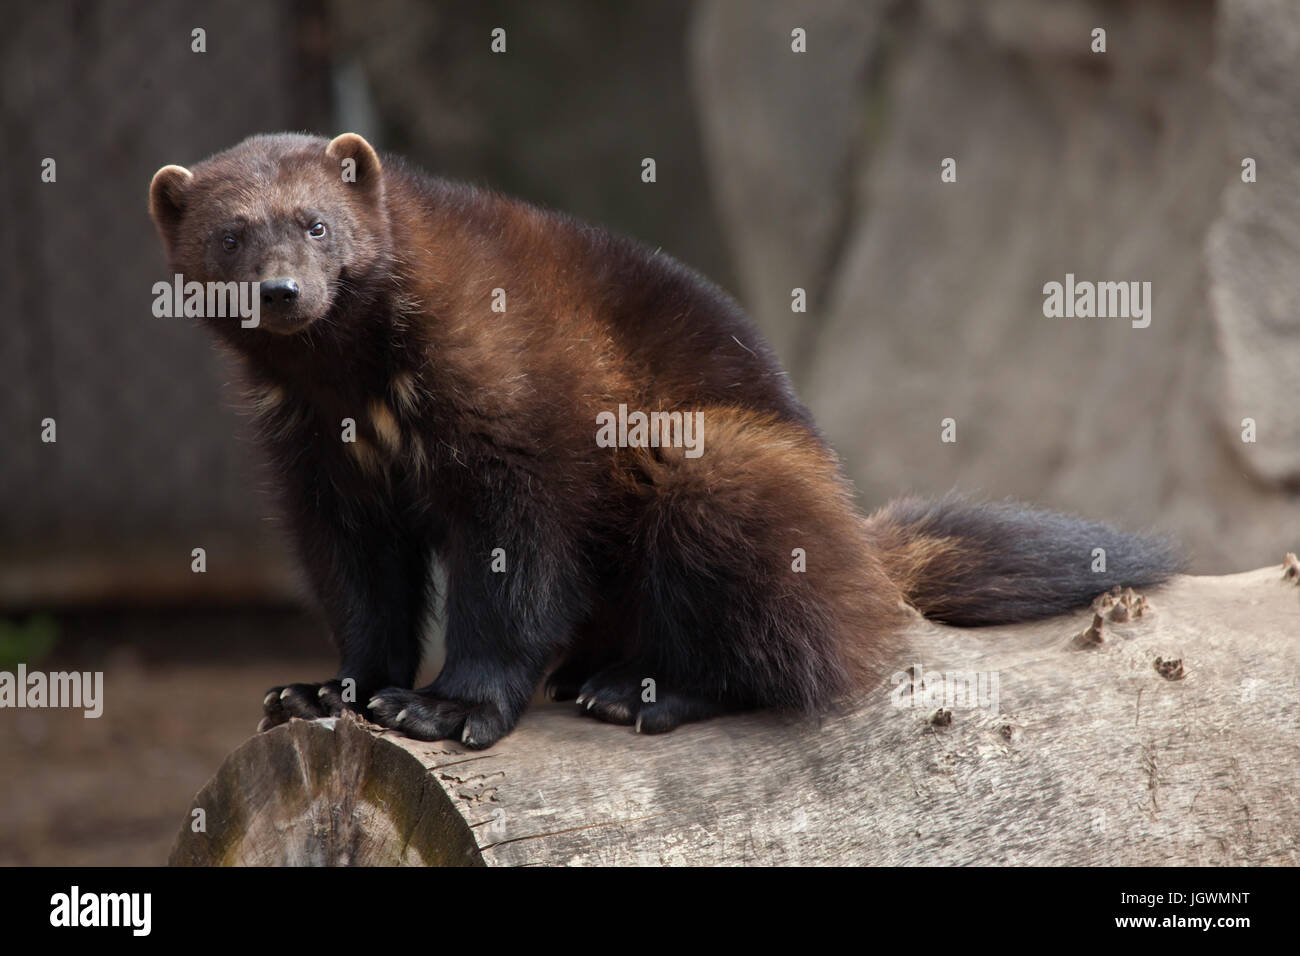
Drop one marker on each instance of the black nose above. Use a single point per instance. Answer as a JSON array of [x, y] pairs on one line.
[[279, 291]]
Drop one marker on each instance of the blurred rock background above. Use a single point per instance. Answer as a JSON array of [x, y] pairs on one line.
[[776, 170], [926, 297]]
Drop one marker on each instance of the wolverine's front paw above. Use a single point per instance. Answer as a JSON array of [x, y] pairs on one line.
[[307, 701], [431, 718]]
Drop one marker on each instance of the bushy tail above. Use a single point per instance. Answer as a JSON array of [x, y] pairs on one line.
[[967, 563]]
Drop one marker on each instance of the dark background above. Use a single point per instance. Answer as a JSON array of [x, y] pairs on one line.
[[775, 170]]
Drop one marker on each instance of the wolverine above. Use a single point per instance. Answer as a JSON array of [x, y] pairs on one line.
[[429, 374]]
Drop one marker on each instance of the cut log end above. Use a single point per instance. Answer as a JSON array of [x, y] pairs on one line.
[[323, 793]]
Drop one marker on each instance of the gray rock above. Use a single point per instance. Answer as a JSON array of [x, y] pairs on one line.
[[1122, 166]]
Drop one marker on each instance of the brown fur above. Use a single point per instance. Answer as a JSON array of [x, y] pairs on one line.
[[632, 568]]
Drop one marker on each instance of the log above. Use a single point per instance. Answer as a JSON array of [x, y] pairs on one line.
[[1169, 738]]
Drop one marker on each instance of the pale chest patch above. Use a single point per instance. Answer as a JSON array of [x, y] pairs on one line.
[[405, 391], [390, 423], [385, 426]]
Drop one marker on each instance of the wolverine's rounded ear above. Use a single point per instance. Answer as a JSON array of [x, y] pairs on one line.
[[358, 162], [167, 199]]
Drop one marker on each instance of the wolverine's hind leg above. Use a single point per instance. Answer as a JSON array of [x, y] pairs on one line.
[[754, 583], [624, 694], [597, 642], [566, 680]]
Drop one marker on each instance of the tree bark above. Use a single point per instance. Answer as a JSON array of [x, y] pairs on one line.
[[1171, 741]]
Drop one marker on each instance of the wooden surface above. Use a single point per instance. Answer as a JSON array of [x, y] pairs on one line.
[[1094, 755]]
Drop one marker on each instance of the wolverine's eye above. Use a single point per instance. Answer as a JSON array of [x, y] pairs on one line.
[[229, 243], [317, 230]]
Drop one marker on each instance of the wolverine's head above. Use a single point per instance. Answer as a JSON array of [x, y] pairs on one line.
[[300, 215]]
